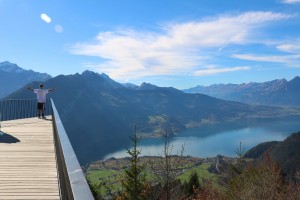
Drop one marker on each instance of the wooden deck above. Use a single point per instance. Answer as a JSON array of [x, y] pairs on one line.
[[27, 160]]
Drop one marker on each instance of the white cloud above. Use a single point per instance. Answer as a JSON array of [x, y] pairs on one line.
[[179, 50], [290, 47], [45, 18], [213, 70], [290, 60], [291, 1]]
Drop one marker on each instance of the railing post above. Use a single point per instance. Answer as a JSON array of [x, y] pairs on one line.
[[1, 133], [1, 109]]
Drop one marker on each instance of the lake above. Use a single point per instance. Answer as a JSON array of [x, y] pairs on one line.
[[211, 141]]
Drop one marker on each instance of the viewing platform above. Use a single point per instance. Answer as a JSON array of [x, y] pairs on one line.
[[37, 160], [28, 168]]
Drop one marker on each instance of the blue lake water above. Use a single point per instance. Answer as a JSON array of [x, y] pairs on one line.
[[209, 142]]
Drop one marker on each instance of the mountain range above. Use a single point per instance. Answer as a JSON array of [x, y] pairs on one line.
[[12, 77], [277, 92], [99, 114]]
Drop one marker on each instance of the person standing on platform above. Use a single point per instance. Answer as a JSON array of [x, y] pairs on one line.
[[41, 99]]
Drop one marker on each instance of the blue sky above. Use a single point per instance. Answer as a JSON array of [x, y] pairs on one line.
[[179, 43]]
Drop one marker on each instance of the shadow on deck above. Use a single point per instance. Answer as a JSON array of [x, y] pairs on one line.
[[6, 138]]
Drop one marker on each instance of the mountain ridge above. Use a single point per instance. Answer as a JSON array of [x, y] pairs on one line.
[[14, 77], [99, 114], [279, 92]]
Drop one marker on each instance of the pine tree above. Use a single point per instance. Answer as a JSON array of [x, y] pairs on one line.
[[134, 176], [192, 184]]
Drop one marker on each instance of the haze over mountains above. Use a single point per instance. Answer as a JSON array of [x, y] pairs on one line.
[[277, 92], [12, 77], [99, 114]]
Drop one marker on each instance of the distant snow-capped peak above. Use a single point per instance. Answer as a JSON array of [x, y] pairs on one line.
[[10, 67]]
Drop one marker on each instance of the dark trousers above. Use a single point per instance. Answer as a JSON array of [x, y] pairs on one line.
[[41, 109]]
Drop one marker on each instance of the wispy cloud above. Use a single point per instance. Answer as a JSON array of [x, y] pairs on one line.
[[290, 47], [290, 60], [291, 1], [45, 18], [178, 50], [215, 70]]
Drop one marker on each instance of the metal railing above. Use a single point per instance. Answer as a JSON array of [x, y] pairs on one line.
[[72, 182], [11, 109]]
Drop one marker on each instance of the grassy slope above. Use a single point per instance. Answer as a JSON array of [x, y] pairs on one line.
[[202, 172], [113, 177]]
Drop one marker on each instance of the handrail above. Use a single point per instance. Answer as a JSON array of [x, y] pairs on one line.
[[11, 109], [73, 184]]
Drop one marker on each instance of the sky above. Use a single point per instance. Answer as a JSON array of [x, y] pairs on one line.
[[169, 43]]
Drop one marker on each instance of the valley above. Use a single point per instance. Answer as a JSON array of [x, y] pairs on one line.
[[99, 114]]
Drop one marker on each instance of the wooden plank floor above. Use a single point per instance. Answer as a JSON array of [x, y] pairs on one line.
[[27, 160]]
